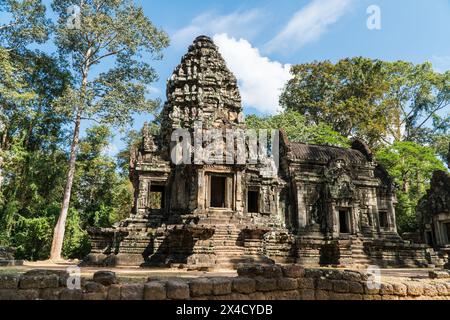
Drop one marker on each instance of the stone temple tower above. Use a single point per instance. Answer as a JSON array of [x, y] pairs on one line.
[[319, 205], [201, 88]]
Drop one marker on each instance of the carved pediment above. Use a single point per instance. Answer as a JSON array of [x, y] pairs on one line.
[[338, 180]]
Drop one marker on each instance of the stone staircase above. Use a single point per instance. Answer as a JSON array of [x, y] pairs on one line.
[[359, 256], [228, 243]]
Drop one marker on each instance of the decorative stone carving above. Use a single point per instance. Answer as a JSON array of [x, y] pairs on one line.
[[338, 181]]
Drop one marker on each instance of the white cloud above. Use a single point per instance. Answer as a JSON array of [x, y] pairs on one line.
[[244, 24], [260, 79], [441, 63], [308, 24]]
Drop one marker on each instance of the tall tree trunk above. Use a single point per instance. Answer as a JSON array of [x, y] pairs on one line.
[[60, 228]]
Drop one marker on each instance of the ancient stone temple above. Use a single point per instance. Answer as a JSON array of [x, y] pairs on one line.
[[433, 214], [312, 205]]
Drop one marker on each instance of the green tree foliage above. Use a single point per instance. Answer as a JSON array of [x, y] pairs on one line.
[[101, 195], [377, 100], [114, 30], [297, 128], [27, 24], [411, 165]]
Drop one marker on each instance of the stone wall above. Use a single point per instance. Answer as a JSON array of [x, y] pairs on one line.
[[255, 282]]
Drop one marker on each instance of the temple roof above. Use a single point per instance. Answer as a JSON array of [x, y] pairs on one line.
[[311, 152]]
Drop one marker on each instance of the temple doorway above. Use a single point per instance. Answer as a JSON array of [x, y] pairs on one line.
[[217, 191], [344, 221]]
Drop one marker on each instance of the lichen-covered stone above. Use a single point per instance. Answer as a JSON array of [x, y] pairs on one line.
[[293, 271], [71, 294], [133, 291], [155, 290], [177, 290], [307, 294], [106, 278], [386, 289], [324, 284], [114, 292], [9, 281], [306, 283], [50, 293], [221, 286], [244, 285], [287, 283], [341, 286], [200, 287], [355, 287], [400, 289], [28, 281], [265, 284], [415, 289]]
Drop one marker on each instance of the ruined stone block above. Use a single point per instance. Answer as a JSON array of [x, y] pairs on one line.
[[134, 291], [50, 293], [9, 282], [314, 273], [386, 289], [200, 287], [324, 284], [221, 286], [71, 294], [400, 289], [306, 283], [39, 281], [282, 295], [441, 289], [114, 292], [429, 290], [250, 270], [105, 278], [415, 289], [272, 271], [177, 290], [257, 296], [333, 274], [155, 290], [293, 271], [244, 285], [355, 287], [29, 294], [371, 288], [287, 283], [322, 295], [307, 294], [94, 291], [351, 275], [341, 286], [265, 284]]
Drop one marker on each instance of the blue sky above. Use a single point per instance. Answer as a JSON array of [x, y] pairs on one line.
[[260, 39]]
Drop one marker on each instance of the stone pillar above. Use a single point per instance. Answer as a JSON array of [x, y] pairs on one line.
[[229, 191], [301, 207], [142, 200], [334, 219], [239, 196], [391, 216], [201, 190]]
